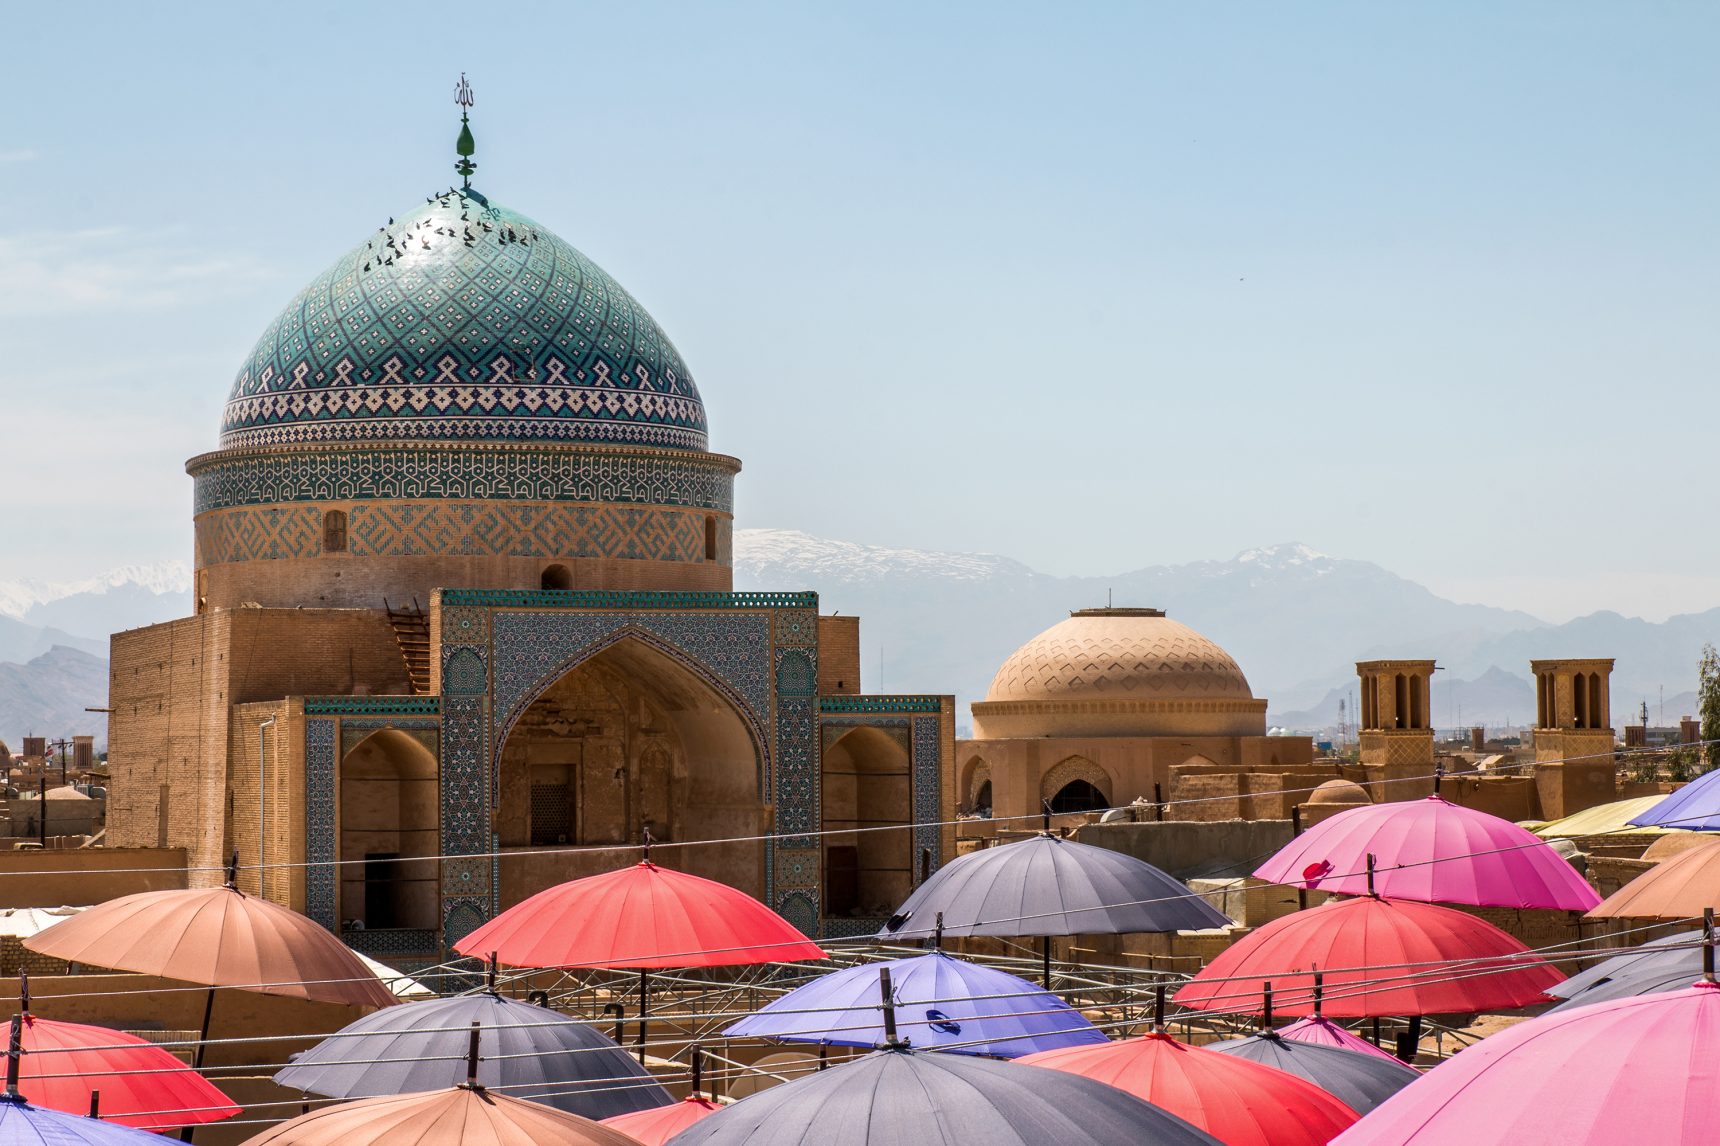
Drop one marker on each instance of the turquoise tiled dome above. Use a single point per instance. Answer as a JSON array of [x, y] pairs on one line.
[[464, 321]]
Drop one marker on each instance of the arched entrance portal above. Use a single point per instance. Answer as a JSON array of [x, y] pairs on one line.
[[389, 833], [629, 738], [868, 818]]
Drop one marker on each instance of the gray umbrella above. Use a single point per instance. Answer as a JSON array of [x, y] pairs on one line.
[[1359, 1081], [1666, 964], [897, 1096], [1048, 886], [528, 1052]]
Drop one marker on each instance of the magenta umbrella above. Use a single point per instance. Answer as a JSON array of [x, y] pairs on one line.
[[1433, 851]]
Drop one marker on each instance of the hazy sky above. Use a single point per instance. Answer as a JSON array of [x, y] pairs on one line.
[[1092, 286]]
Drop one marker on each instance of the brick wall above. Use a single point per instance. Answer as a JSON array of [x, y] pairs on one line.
[[839, 656]]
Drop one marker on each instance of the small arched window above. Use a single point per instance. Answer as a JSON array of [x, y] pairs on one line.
[[334, 531], [556, 577], [710, 538]]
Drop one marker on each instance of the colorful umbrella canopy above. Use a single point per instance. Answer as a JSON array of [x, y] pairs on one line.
[[462, 1116], [219, 937], [1379, 957], [900, 1096], [1695, 807], [1359, 1081], [1239, 1102], [1433, 851], [640, 917], [1629, 1071], [534, 1053], [941, 1003], [1676, 888], [24, 1125], [1670, 963], [1320, 1031], [1047, 885], [656, 1126], [1612, 819], [140, 1084]]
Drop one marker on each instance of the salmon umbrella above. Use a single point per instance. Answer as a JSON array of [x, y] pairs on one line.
[[464, 1115], [1637, 1070], [1434, 851], [217, 937], [640, 917], [659, 1124], [1238, 1102], [1378, 957], [78, 1068], [1676, 888]]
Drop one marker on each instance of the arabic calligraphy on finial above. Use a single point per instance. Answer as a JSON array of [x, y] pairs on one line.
[[466, 145]]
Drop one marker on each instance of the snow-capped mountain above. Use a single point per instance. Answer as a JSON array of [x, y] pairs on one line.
[[18, 598], [1295, 618]]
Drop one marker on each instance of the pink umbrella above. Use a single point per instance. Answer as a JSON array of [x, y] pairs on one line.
[[1321, 1031], [1633, 1070], [1433, 851], [1324, 1032]]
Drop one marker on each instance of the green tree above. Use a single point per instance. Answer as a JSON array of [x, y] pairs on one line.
[[1708, 702]]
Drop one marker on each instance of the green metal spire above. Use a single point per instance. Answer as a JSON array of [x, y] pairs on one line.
[[466, 145]]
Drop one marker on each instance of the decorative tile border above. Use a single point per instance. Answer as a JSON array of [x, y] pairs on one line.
[[321, 876], [464, 472], [373, 706], [880, 704]]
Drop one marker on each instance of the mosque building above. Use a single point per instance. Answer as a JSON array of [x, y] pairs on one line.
[[1107, 707], [465, 623]]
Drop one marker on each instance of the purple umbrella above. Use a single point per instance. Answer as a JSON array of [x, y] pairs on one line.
[[1696, 807], [942, 1003]]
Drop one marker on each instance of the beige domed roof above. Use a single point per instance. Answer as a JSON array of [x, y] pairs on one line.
[[1111, 653], [1339, 792]]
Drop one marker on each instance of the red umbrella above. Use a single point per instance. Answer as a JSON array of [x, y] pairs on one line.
[[140, 1084], [1378, 957], [659, 1124], [1241, 1103], [641, 916]]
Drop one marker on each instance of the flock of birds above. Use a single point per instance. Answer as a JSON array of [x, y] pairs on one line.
[[398, 246]]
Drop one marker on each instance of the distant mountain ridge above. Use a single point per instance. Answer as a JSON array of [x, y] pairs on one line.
[[1296, 619]]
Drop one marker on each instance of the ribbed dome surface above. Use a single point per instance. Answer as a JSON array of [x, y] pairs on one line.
[[1112, 653], [464, 321]]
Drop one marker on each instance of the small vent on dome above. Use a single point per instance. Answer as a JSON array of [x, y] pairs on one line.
[[1116, 611]]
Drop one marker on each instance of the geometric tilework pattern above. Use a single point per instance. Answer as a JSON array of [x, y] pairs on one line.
[[479, 529], [729, 651], [526, 640], [464, 321], [470, 472], [321, 876]]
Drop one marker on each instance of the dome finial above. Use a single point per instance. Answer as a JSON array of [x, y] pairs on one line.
[[466, 145]]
